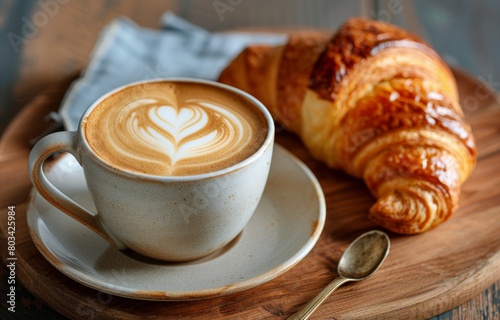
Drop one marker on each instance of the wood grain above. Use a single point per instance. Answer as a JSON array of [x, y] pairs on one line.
[[423, 276]]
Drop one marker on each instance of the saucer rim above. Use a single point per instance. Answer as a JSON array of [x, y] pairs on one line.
[[89, 281]]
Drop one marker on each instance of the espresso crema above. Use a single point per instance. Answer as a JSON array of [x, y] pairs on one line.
[[174, 128]]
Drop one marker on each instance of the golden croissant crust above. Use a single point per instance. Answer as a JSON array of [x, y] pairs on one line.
[[376, 102]]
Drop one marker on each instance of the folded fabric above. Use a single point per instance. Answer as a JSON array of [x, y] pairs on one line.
[[127, 53]]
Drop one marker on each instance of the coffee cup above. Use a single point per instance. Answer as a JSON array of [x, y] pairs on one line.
[[175, 167]]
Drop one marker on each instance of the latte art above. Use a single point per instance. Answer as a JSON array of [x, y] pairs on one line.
[[197, 129], [169, 135]]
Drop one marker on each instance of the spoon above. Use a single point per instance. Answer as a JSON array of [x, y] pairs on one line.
[[360, 260]]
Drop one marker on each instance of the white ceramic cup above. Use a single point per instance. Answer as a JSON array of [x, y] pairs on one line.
[[171, 218]]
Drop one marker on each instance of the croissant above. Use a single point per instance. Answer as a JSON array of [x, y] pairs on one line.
[[377, 102]]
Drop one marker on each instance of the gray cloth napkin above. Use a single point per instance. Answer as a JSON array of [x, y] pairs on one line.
[[127, 53]]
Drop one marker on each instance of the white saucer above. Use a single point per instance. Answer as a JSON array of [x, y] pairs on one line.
[[285, 227]]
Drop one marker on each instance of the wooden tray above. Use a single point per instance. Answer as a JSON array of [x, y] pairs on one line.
[[423, 276]]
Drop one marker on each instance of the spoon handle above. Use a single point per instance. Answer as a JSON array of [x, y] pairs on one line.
[[312, 305]]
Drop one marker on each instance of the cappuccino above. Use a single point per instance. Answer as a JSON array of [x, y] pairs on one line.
[[174, 129], [152, 153]]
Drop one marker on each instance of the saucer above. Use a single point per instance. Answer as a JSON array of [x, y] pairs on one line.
[[285, 227]]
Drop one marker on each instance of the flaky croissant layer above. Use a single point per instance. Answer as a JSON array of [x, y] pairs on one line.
[[376, 102]]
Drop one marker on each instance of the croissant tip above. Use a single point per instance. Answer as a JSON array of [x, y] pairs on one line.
[[393, 212]]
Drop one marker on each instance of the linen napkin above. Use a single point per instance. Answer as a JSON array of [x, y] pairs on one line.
[[126, 52]]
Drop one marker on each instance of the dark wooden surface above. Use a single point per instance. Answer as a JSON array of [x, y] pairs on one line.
[[446, 268]]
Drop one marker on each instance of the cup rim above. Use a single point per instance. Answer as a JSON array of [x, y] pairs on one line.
[[268, 141]]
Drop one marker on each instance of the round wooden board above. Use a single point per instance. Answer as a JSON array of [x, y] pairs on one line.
[[423, 276]]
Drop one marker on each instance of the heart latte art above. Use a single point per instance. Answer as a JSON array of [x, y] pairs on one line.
[[176, 132]]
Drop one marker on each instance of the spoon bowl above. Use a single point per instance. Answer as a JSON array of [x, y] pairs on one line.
[[364, 256], [360, 260]]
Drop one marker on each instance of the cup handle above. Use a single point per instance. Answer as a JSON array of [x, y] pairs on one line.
[[65, 141]]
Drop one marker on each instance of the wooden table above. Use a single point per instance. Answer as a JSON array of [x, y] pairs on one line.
[[50, 286]]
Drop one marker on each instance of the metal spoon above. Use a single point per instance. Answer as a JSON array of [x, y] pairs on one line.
[[360, 260]]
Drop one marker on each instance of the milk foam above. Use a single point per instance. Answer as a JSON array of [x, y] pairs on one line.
[[185, 132], [169, 135]]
